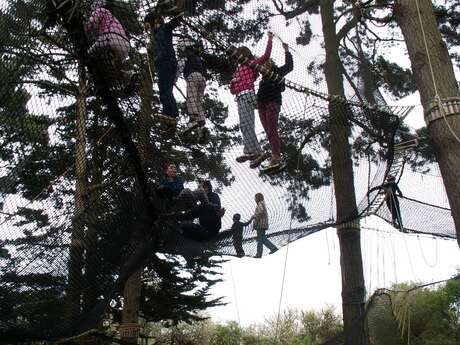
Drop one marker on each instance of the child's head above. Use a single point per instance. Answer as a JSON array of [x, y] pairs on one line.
[[259, 197], [236, 217], [268, 65], [245, 52], [391, 178], [207, 186], [170, 170], [152, 21]]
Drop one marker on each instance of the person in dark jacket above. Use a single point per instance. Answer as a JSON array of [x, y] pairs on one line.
[[391, 190], [165, 59], [237, 233], [213, 197], [171, 185], [269, 100], [195, 76], [209, 219]]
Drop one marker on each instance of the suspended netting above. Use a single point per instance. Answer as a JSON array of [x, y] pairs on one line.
[[93, 110]]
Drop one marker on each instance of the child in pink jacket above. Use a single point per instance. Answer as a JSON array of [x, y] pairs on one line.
[[242, 86], [106, 31]]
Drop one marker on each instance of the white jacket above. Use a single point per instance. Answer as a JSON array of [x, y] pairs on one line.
[[261, 216]]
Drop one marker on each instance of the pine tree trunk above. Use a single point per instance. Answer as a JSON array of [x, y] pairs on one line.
[[99, 152], [445, 145], [78, 232], [133, 286], [353, 289]]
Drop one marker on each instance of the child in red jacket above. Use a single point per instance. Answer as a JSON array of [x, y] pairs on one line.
[[242, 86]]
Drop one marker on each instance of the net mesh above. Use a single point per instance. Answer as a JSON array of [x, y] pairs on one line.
[[92, 111]]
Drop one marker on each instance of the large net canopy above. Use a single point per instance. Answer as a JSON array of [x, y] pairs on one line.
[[100, 101]]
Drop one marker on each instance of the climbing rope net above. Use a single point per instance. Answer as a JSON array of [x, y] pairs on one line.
[[86, 132]]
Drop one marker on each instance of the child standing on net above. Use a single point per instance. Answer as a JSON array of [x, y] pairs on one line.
[[269, 100], [165, 61], [242, 86], [195, 76], [237, 233], [261, 226]]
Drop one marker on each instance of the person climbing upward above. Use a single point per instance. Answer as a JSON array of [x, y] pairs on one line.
[[269, 100], [242, 86], [195, 77], [107, 35], [237, 233], [165, 62], [391, 191], [260, 218]]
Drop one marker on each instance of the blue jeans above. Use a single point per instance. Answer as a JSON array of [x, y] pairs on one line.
[[263, 240], [166, 72]]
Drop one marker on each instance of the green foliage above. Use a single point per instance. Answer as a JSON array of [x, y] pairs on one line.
[[426, 316]]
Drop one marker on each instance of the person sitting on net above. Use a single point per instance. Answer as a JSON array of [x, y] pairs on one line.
[[208, 215], [165, 61], [391, 190], [213, 197], [260, 218], [195, 77], [269, 100], [237, 233], [171, 185], [242, 86]]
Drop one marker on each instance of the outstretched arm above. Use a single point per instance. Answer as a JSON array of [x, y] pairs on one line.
[[268, 51], [289, 62], [173, 23]]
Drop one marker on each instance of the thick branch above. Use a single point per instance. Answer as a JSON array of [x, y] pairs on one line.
[[306, 6]]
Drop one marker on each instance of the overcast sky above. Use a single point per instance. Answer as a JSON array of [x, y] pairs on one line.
[[252, 287]]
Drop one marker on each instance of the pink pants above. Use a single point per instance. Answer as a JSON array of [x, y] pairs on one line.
[[268, 113]]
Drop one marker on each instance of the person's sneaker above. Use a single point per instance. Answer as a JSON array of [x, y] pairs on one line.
[[273, 167], [246, 157], [258, 161]]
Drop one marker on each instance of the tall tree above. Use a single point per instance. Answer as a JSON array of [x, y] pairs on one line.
[[353, 289], [439, 93]]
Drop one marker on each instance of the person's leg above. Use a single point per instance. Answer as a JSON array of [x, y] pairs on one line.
[[192, 97], [119, 45], [272, 115], [260, 248], [201, 86], [397, 211], [194, 231], [238, 243], [262, 107], [246, 105], [268, 243], [166, 76]]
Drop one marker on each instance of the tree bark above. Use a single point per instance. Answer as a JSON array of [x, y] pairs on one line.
[[78, 227], [413, 25], [133, 286], [353, 289], [99, 152]]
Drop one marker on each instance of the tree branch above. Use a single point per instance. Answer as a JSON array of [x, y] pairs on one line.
[[306, 6]]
